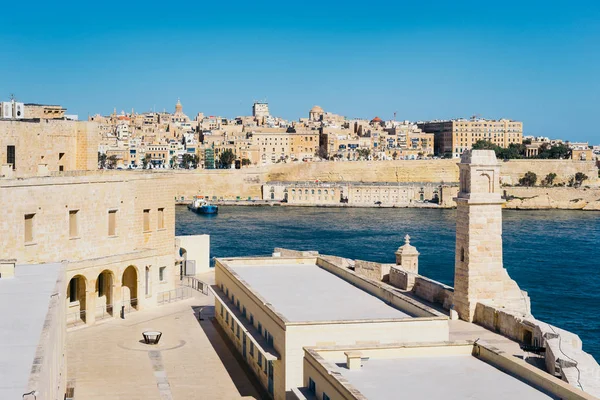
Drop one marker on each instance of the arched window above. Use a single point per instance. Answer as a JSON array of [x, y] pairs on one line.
[[147, 278], [319, 192], [312, 191], [326, 191], [293, 191]]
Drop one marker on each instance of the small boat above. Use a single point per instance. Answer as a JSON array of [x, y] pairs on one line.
[[201, 206]]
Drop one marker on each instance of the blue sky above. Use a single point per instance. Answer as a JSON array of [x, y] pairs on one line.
[[534, 61]]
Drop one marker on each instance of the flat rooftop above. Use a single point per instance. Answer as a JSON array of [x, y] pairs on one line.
[[307, 292], [447, 377], [24, 302]]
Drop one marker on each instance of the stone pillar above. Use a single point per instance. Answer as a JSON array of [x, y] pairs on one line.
[[479, 272], [408, 257], [90, 304]]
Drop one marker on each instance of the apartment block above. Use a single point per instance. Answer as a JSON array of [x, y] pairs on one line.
[[453, 137]]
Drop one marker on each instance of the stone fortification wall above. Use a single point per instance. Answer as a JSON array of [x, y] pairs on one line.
[[511, 171], [247, 182], [566, 198]]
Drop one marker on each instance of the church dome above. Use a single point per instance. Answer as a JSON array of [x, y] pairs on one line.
[[316, 109], [376, 119]]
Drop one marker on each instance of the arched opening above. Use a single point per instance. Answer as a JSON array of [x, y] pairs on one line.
[[130, 287], [76, 299], [104, 293], [147, 280]]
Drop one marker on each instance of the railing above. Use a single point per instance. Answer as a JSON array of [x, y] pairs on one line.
[[178, 294], [78, 318], [195, 284]]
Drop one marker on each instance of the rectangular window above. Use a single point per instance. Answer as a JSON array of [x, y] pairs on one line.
[[161, 218], [161, 274], [237, 331], [312, 387], [251, 319], [146, 220], [227, 317], [112, 223], [29, 227], [73, 225], [222, 309], [260, 328], [252, 348], [259, 359], [325, 397], [11, 157], [232, 324], [244, 311]]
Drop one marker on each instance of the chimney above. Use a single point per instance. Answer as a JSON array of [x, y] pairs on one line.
[[7, 268], [353, 359]]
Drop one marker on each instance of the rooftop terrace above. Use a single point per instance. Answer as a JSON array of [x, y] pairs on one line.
[[307, 292]]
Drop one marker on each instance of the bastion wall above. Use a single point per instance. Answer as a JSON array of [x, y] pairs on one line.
[[247, 182]]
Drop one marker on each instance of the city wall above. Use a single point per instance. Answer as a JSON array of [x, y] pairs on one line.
[[247, 182]]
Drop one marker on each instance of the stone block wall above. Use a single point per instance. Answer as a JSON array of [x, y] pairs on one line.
[[434, 292], [50, 200]]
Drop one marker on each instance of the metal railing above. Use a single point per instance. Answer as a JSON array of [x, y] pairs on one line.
[[78, 318], [169, 296], [195, 283]]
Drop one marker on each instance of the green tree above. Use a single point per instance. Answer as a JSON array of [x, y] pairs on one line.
[[146, 160], [190, 161], [174, 163], [227, 158], [102, 160], [246, 161], [549, 179], [529, 179], [364, 153], [112, 161], [395, 154], [579, 178], [559, 151], [483, 144]]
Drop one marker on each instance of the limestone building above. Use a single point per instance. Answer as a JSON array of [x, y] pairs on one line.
[[453, 137], [450, 370], [271, 308], [115, 231], [45, 146], [260, 109]]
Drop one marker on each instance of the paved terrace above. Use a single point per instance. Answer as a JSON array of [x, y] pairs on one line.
[[436, 377], [304, 292], [192, 361]]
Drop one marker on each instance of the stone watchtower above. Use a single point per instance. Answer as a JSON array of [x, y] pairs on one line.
[[479, 274]]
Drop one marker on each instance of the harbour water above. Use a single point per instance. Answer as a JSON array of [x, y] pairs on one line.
[[553, 255]]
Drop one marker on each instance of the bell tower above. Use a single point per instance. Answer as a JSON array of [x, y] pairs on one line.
[[479, 274]]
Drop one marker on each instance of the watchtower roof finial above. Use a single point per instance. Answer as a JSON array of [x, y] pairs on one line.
[[407, 239]]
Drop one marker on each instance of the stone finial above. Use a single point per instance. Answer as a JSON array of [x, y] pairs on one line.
[[406, 239]]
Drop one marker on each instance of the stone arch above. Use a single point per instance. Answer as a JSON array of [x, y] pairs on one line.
[[130, 284], [76, 299], [104, 290], [490, 182]]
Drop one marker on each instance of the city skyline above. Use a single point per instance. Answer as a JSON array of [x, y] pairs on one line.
[[530, 63]]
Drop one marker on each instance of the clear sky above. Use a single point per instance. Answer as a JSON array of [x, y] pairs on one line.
[[534, 61]]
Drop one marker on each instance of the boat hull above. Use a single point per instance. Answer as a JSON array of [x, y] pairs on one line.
[[206, 209]]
